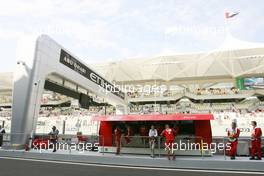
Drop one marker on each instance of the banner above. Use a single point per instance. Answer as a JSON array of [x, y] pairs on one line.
[[240, 83], [83, 70], [154, 117]]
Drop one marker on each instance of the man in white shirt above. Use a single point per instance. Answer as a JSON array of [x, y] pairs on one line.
[[152, 139]]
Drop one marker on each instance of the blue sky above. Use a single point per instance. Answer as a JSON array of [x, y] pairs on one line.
[[107, 30]]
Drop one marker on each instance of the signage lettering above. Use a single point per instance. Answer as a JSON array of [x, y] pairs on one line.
[[82, 69]]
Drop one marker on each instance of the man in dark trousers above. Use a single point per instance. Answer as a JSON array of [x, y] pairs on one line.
[[2, 132], [54, 137]]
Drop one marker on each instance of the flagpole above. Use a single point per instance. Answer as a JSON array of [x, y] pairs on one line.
[[229, 36], [229, 15], [227, 29]]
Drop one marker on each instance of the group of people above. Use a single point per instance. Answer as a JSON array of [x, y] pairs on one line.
[[53, 136], [233, 137], [169, 134], [217, 91]]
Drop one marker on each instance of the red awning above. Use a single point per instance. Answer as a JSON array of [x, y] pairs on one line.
[[154, 117]]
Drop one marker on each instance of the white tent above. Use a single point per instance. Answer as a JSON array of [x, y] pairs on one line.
[[234, 58]]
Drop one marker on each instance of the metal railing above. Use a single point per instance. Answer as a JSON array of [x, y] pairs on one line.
[[132, 144], [42, 142], [141, 145]]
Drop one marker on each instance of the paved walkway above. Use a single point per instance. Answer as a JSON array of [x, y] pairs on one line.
[[182, 162]]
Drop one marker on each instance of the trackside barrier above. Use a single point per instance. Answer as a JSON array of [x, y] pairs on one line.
[[131, 144]]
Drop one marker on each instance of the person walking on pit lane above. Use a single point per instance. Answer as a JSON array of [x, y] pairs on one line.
[[256, 135]]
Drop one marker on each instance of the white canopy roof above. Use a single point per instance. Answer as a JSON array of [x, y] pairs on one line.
[[232, 59]]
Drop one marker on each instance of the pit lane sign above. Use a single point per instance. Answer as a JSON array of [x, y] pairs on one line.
[[83, 70]]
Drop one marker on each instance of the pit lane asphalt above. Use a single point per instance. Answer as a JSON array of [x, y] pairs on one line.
[[31, 167]]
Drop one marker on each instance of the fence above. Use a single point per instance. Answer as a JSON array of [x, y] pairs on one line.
[[183, 145]]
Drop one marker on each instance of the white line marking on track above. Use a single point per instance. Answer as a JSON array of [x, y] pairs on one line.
[[135, 167]]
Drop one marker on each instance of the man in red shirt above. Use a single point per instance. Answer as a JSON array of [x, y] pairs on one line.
[[233, 134], [118, 134], [169, 134], [255, 141]]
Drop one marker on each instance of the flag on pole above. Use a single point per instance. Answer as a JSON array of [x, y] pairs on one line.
[[230, 14]]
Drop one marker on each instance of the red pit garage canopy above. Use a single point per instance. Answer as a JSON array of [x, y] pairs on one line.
[[154, 117]]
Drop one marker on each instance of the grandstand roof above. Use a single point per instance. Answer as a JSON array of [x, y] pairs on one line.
[[232, 59]]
